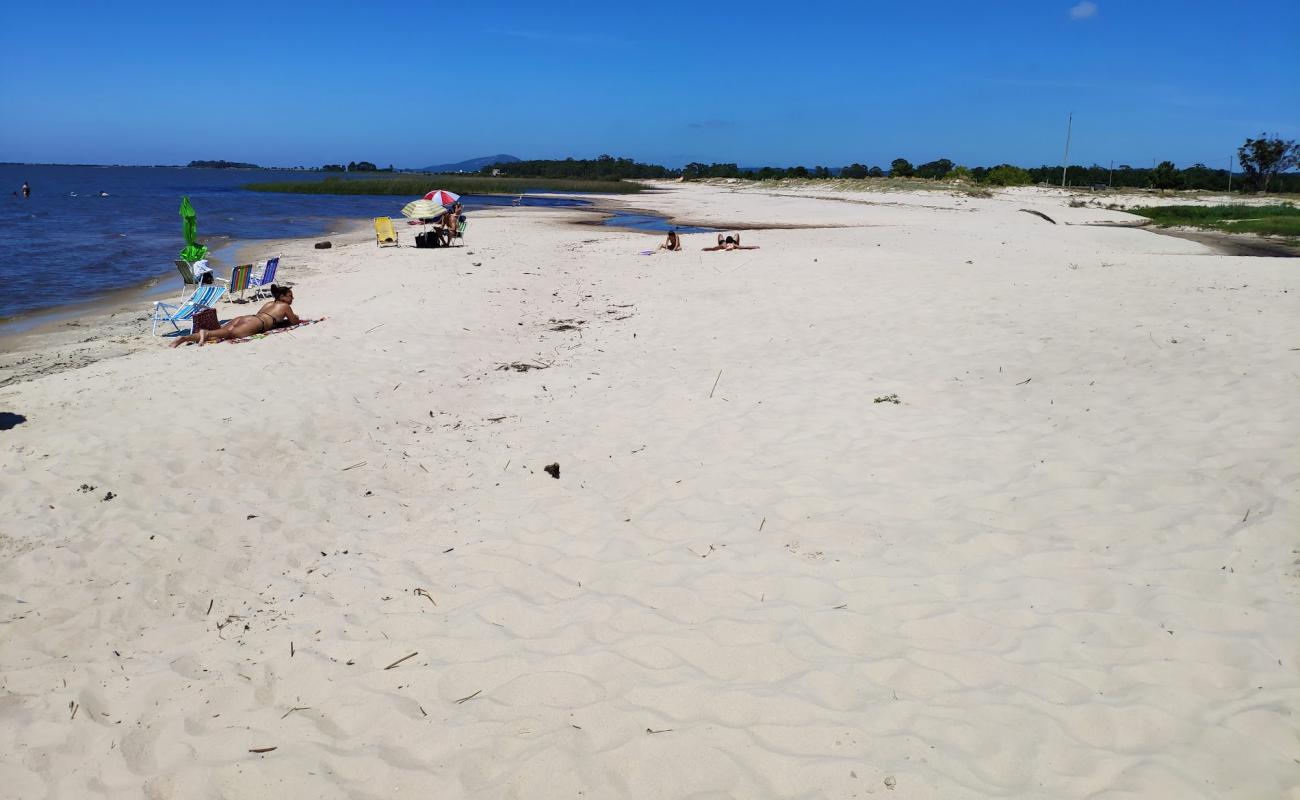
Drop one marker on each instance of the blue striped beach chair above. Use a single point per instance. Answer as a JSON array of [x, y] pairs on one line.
[[262, 280], [203, 297]]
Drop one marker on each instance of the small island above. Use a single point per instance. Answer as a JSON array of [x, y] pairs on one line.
[[223, 165]]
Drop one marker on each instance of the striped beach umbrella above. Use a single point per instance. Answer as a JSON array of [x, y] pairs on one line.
[[442, 196], [422, 209]]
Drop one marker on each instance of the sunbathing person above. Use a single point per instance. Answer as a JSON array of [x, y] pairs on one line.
[[731, 242], [277, 313], [673, 242]]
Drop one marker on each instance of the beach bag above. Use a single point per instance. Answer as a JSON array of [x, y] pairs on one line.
[[205, 319]]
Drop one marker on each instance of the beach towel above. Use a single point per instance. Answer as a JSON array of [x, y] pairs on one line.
[[274, 331]]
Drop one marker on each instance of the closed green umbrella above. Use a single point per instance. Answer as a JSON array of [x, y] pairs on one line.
[[190, 227]]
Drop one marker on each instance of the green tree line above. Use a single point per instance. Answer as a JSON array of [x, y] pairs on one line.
[[1267, 164]]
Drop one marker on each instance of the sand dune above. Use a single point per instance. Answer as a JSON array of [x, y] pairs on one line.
[[1063, 564]]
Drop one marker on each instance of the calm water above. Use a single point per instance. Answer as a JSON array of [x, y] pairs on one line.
[[68, 244]]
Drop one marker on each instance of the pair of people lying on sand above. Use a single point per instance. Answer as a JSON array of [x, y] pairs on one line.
[[730, 242], [276, 313]]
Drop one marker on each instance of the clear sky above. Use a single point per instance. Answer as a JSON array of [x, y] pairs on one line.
[[279, 82]]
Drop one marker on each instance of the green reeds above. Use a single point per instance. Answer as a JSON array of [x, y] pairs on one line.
[[415, 186], [1274, 220]]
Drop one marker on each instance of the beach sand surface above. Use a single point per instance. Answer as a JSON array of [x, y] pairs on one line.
[[939, 501]]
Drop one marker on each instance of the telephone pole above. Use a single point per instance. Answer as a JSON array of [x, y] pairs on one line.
[[1229, 174], [1069, 127]]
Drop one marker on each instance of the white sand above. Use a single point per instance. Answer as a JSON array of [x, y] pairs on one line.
[[1064, 565]]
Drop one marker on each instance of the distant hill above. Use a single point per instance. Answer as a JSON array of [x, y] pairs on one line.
[[471, 165]]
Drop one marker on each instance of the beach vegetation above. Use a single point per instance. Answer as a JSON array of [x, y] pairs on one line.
[[602, 168], [1272, 220], [1166, 176], [1008, 175], [934, 170], [416, 185], [1265, 158], [901, 168]]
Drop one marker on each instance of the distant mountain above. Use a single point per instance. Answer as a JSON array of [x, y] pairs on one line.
[[471, 165]]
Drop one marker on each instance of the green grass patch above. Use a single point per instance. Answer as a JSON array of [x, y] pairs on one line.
[[1275, 220], [408, 186]]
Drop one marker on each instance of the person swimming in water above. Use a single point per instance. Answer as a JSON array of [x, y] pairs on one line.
[[277, 313], [730, 242], [27, 190]]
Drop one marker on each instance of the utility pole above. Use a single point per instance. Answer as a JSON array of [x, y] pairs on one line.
[[1110, 182], [1229, 174], [1069, 127]]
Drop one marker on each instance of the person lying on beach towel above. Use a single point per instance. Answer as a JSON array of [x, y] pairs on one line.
[[672, 243], [731, 242], [277, 313]]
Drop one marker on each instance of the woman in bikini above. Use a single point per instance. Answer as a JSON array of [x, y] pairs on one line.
[[673, 242], [277, 313], [730, 242]]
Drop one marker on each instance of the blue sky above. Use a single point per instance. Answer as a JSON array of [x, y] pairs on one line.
[[288, 83]]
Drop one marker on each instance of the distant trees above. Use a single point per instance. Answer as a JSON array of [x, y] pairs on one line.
[[604, 168], [334, 168], [223, 165], [1264, 158], [1008, 175], [934, 170], [854, 170], [1165, 176], [900, 168], [875, 172]]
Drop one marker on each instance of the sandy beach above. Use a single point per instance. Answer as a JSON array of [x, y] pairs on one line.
[[927, 497]]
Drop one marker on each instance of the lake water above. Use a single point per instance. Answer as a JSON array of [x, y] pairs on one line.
[[67, 244]]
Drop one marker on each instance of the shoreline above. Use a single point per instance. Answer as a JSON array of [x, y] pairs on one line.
[[117, 324]]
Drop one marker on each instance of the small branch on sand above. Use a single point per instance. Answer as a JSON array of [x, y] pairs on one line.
[[1026, 380], [210, 602], [1243, 519], [426, 595], [377, 327], [715, 384], [291, 649], [354, 466], [761, 524], [1038, 214], [400, 660], [470, 697], [261, 749], [295, 708], [662, 730]]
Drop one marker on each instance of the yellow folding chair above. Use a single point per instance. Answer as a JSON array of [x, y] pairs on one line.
[[385, 236]]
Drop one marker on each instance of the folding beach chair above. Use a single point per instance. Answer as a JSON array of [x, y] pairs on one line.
[[385, 236], [188, 282], [459, 232], [261, 282], [203, 297], [241, 277]]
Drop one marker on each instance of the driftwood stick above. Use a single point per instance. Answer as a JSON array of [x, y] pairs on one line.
[[469, 697], [400, 660], [715, 383]]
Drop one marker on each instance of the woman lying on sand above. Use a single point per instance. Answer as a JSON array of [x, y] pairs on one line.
[[275, 314], [731, 242], [672, 242]]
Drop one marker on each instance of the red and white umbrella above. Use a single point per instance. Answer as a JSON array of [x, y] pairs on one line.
[[442, 197]]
